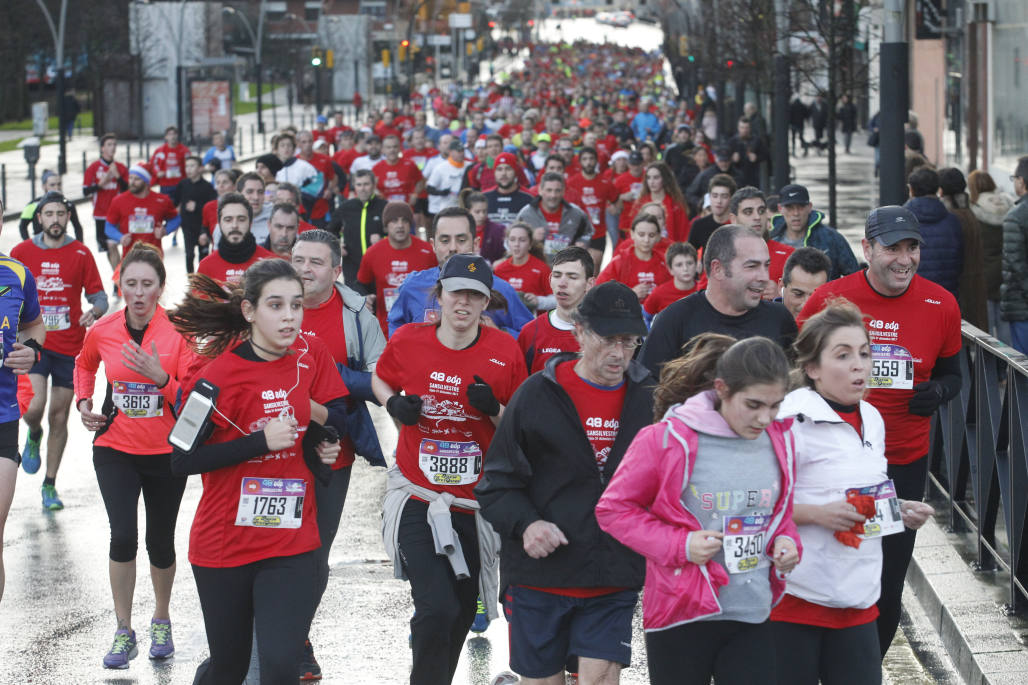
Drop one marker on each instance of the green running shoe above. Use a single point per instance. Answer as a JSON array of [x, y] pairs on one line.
[[51, 502]]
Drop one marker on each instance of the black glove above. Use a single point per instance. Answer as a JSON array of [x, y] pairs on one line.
[[405, 408], [481, 397], [927, 398]]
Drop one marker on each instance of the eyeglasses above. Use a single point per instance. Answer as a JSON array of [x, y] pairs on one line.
[[627, 343]]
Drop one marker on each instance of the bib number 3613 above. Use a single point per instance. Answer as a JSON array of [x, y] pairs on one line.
[[744, 542]]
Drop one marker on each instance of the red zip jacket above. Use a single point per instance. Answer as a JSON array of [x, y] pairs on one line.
[[144, 417]]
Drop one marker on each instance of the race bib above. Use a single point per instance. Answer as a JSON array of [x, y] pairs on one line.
[[140, 223], [430, 316], [450, 463], [271, 502], [887, 519], [56, 317], [594, 215], [555, 243], [745, 538], [137, 400], [389, 294], [892, 367]]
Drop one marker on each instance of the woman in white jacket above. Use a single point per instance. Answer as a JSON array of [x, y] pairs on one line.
[[826, 620]]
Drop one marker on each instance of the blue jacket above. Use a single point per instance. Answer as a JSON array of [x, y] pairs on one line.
[[825, 238], [645, 126], [942, 252], [415, 298]]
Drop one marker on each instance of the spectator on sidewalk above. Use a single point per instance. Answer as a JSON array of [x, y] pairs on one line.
[[1014, 292], [990, 205], [952, 187], [847, 116], [942, 253]]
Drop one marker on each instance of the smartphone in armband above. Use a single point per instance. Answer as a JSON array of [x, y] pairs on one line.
[[194, 417]]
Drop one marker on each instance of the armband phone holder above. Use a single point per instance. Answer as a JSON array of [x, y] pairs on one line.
[[194, 417]]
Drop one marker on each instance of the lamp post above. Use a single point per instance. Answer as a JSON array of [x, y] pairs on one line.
[[255, 40], [57, 33]]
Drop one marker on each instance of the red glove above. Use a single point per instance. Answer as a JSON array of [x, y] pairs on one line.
[[865, 506]]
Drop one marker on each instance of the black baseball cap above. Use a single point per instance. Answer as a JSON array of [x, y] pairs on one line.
[[51, 196], [612, 308], [891, 224], [635, 158], [793, 194], [723, 152], [467, 272]]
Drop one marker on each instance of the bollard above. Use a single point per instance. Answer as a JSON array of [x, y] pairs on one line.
[[253, 141], [147, 151], [84, 165], [128, 156], [3, 184], [140, 146]]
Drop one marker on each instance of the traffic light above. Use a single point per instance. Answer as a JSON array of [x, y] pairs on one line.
[[730, 63], [692, 58], [492, 24], [401, 54], [531, 23], [317, 57], [385, 58]]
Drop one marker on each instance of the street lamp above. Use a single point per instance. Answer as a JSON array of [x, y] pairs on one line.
[[58, 35], [255, 40]]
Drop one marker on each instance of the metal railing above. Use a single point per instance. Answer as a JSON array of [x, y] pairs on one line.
[[979, 457]]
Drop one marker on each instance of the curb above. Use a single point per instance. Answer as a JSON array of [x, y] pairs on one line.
[[971, 625]]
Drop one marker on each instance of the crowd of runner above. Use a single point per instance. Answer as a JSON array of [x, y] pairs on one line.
[[730, 411]]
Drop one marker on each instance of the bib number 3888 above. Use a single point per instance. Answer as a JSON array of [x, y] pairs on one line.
[[450, 463]]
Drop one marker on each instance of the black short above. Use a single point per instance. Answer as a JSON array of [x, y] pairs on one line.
[[421, 205], [9, 441], [548, 631], [59, 367], [598, 243]]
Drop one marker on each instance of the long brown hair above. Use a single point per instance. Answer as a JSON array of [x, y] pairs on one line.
[[812, 340], [211, 317], [669, 183], [691, 373], [979, 182]]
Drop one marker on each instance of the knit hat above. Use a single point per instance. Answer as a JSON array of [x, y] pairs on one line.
[[142, 172], [269, 160], [397, 210], [506, 158]]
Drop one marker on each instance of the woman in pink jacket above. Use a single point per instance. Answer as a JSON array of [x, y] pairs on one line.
[[706, 496]]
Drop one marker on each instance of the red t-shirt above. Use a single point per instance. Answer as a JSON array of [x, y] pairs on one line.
[[779, 253], [62, 275], [209, 216], [216, 267], [445, 449], [632, 271], [386, 267], [598, 407], [664, 294], [108, 191], [325, 323], [344, 158], [397, 181], [792, 609], [169, 164], [541, 339], [624, 183], [594, 194], [915, 328], [531, 277], [140, 217], [227, 529], [420, 157]]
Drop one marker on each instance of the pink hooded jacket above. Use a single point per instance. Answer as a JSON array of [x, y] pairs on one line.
[[642, 508]]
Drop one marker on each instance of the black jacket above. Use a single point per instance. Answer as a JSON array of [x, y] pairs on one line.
[[346, 223], [540, 465]]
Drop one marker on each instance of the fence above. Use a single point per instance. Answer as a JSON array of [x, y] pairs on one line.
[[979, 457]]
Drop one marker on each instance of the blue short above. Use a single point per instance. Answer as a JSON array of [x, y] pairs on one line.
[[59, 367], [548, 632]]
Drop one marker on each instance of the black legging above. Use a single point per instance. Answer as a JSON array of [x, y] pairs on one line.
[[897, 550], [272, 597], [330, 499], [728, 651], [444, 607], [190, 238], [831, 656], [122, 477]]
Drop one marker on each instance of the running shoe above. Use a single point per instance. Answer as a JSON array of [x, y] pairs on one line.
[[309, 668], [123, 650], [51, 502], [161, 644], [505, 678], [30, 455], [481, 619]]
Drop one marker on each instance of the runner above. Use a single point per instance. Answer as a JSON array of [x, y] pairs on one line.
[[507, 199], [715, 562], [388, 262], [571, 278], [526, 273], [569, 590], [64, 269], [194, 193], [748, 207], [22, 344], [596, 195], [169, 163], [555, 222], [144, 361], [681, 263], [30, 215], [355, 348], [139, 215], [237, 247], [254, 536], [826, 620], [102, 181], [489, 234], [358, 222], [805, 271], [660, 186], [399, 179], [455, 375], [641, 269], [915, 341]]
